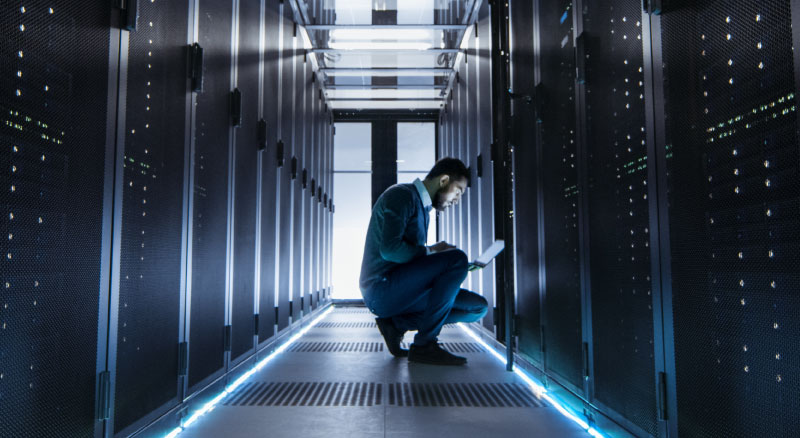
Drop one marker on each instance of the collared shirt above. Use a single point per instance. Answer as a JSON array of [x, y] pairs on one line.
[[424, 195], [397, 231]]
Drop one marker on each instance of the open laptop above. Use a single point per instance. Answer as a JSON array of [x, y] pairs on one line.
[[484, 259]]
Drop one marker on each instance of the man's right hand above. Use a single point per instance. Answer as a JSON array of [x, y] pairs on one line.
[[439, 247]]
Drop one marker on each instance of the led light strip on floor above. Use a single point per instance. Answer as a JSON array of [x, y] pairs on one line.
[[232, 387], [535, 386]]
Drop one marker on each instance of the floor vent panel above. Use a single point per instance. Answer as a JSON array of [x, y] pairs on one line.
[[336, 347], [364, 324], [483, 395], [306, 394]]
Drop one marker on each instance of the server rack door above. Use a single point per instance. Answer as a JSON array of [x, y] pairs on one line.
[[298, 141], [473, 193], [55, 145], [462, 153], [152, 223], [271, 86], [562, 302], [246, 174], [485, 142], [209, 215], [618, 214], [283, 229], [308, 136], [731, 164], [526, 172]]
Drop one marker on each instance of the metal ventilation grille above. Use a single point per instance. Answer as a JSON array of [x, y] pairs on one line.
[[457, 347], [346, 325], [337, 347], [360, 310], [306, 394], [486, 395]]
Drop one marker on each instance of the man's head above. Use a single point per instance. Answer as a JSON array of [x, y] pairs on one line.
[[447, 180]]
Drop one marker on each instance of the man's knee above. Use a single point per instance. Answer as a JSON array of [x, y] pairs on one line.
[[459, 258]]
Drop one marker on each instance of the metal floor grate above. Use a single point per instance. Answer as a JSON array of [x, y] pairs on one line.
[[306, 394], [495, 395], [336, 347], [346, 325], [361, 310], [456, 347]]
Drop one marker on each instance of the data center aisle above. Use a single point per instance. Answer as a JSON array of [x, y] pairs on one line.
[[338, 380]]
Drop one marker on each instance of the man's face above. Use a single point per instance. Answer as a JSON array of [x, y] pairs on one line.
[[449, 193]]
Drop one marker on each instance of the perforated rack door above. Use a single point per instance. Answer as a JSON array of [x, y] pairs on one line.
[[152, 214], [269, 213], [53, 113], [734, 197], [284, 182], [210, 205], [618, 215], [526, 173], [562, 302], [246, 174], [484, 106]]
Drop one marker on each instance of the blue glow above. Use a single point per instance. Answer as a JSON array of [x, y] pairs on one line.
[[535, 386], [232, 387], [564, 17]]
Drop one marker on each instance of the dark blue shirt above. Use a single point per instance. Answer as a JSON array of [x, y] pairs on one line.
[[397, 231]]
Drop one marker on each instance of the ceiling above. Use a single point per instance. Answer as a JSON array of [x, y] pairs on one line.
[[385, 54]]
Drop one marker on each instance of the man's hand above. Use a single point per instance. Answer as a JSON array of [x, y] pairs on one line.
[[439, 247]]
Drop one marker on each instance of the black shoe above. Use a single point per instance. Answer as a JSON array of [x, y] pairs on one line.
[[392, 335], [434, 354]]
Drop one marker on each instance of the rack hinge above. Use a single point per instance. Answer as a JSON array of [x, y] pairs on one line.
[[261, 134], [130, 15], [586, 375], [294, 168], [662, 396], [305, 178], [236, 107], [495, 315], [291, 307], [103, 396], [196, 67], [226, 342], [255, 324], [580, 59], [183, 358], [479, 164], [279, 153], [276, 313], [543, 347]]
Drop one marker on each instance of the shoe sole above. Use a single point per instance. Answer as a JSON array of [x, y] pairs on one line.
[[427, 362]]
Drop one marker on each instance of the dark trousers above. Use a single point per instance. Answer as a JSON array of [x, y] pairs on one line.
[[425, 294]]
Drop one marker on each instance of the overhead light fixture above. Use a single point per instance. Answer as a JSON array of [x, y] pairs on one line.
[[381, 39], [379, 45]]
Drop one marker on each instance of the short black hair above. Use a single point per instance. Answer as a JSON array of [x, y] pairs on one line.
[[453, 167]]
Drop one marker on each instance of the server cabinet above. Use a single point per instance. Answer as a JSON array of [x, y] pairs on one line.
[[283, 230], [210, 204], [306, 176], [562, 315], [297, 224], [59, 63], [527, 171], [474, 195], [729, 167], [486, 180], [617, 218], [146, 311], [269, 162], [246, 157]]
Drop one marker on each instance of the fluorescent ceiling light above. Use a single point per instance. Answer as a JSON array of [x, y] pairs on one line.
[[379, 45], [381, 34]]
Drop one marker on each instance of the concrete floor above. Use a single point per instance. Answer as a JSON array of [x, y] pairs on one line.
[[318, 395]]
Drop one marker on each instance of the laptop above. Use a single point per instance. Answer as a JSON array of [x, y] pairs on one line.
[[484, 259]]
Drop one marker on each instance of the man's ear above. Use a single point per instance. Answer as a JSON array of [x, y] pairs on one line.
[[443, 180]]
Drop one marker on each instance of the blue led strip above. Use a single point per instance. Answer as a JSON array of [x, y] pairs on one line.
[[535, 386], [236, 383]]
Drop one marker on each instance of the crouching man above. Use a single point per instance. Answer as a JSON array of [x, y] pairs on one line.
[[408, 285]]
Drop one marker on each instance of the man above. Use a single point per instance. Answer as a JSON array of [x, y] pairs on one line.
[[411, 286]]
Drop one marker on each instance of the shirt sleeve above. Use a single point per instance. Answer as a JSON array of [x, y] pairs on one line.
[[398, 211]]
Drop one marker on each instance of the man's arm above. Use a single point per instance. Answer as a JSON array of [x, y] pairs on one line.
[[398, 208]]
